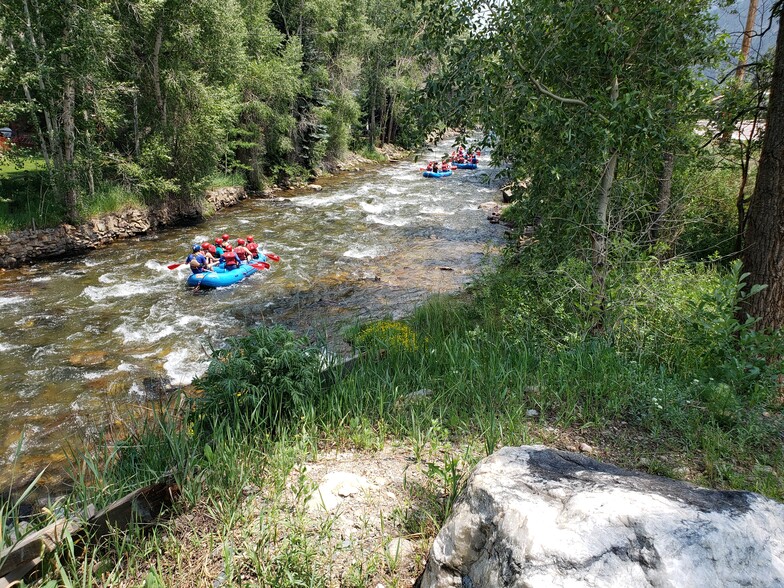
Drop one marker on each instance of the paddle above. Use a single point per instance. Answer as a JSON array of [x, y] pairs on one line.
[[272, 256], [262, 265], [172, 266]]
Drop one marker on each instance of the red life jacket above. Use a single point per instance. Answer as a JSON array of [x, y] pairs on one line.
[[230, 259], [242, 253]]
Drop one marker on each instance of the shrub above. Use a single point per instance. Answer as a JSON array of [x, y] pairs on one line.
[[256, 382]]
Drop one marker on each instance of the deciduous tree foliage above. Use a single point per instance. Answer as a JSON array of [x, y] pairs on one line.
[[157, 95], [583, 98]]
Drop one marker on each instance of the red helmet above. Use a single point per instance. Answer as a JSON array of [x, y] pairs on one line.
[[225, 236], [205, 245], [228, 247], [249, 238], [240, 241], [212, 249], [219, 241]]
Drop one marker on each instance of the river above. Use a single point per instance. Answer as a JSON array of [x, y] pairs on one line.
[[82, 340]]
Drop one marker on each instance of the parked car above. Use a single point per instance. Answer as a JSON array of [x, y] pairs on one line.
[[6, 132]]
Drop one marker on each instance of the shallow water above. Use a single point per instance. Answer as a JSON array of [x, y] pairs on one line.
[[83, 339]]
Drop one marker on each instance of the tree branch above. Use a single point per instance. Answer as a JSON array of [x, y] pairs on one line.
[[546, 92]]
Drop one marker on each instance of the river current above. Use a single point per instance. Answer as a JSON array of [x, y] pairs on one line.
[[82, 340]]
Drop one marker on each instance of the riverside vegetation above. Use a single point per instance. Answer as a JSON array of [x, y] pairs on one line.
[[614, 325], [669, 391]]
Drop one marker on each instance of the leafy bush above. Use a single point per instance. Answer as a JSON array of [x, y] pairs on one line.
[[256, 382]]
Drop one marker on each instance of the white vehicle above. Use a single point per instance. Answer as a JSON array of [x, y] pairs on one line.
[[6, 132]]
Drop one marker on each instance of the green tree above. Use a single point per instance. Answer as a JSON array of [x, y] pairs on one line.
[[56, 55], [582, 98], [181, 62]]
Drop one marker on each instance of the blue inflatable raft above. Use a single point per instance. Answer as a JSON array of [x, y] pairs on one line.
[[219, 277], [443, 174], [466, 165]]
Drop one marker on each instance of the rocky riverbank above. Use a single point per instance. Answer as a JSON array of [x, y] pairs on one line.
[[30, 245]]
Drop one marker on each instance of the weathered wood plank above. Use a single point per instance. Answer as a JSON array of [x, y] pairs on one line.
[[142, 506], [35, 544]]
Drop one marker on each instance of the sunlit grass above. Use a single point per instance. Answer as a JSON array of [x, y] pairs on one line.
[[220, 180], [109, 198]]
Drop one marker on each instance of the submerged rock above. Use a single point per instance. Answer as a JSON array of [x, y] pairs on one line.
[[536, 517]]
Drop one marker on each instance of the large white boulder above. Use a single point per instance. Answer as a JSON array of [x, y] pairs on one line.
[[536, 517]]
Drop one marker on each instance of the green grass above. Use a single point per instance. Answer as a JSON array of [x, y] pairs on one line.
[[453, 382], [9, 167], [109, 198], [372, 154], [27, 201], [220, 180]]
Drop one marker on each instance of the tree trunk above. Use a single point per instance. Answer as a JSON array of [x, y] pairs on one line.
[[599, 235], [748, 32], [665, 194], [69, 149], [35, 119], [52, 129], [763, 257], [156, 74], [136, 145]]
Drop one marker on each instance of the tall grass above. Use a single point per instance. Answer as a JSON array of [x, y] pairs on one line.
[[678, 380], [223, 180], [109, 198]]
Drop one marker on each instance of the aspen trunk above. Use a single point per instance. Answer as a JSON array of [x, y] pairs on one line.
[[599, 235], [156, 75], [748, 32], [665, 197]]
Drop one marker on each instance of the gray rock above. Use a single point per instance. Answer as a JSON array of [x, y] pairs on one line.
[[532, 412], [399, 550], [535, 517]]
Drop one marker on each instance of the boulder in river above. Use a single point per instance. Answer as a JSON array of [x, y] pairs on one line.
[[537, 517]]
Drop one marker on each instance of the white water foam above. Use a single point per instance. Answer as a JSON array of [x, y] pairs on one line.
[[11, 300], [41, 279], [95, 375], [181, 367], [359, 253], [390, 222], [123, 290], [434, 210], [127, 367], [148, 333], [318, 202], [106, 279], [372, 208]]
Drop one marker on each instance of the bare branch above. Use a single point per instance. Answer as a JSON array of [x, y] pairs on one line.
[[546, 92]]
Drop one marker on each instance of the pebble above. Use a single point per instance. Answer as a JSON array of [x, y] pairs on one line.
[[585, 448], [532, 412]]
